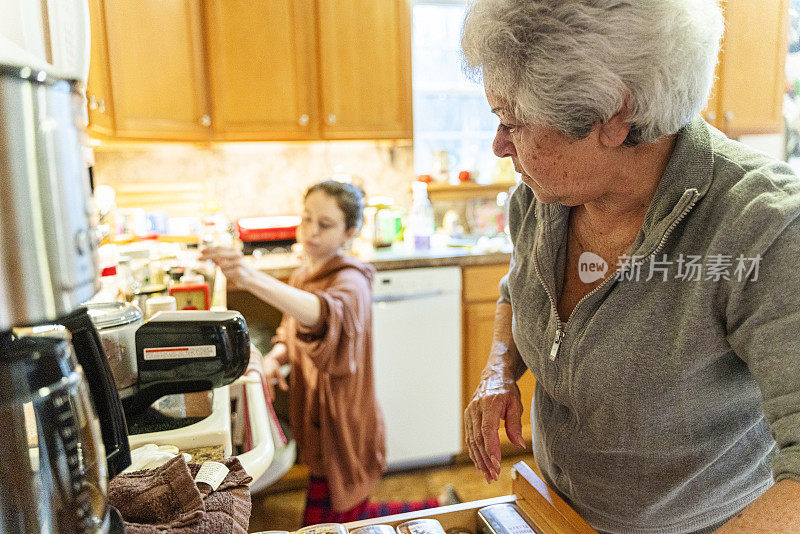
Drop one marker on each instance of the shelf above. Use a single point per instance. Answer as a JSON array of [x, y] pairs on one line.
[[467, 191]]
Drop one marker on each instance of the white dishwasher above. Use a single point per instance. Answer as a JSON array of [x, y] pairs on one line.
[[417, 356]]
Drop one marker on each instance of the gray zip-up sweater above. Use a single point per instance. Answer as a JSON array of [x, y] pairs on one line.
[[657, 402]]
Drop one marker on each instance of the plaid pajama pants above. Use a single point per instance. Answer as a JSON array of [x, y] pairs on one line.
[[319, 509]]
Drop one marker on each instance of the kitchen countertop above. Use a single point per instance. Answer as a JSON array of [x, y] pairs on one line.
[[395, 257]]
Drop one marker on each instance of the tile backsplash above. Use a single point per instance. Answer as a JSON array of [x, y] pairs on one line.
[[252, 179]]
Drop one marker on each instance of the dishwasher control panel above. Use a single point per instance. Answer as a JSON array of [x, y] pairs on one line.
[[412, 281]]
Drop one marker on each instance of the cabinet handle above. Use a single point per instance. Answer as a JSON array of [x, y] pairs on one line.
[[331, 119], [729, 116], [205, 120], [303, 120], [92, 102], [101, 106]]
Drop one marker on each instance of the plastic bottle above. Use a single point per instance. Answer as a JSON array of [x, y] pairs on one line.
[[420, 218], [110, 286]]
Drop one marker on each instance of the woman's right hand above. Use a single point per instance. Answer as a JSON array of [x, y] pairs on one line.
[[273, 375], [497, 397]]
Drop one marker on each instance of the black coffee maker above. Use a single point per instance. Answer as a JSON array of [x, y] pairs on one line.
[[63, 430]]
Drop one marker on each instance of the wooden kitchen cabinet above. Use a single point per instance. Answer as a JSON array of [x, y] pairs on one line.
[[262, 67], [98, 87], [747, 97], [365, 68], [480, 292], [157, 69], [252, 70]]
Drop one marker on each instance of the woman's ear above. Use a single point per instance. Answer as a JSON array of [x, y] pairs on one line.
[[350, 233], [614, 132]]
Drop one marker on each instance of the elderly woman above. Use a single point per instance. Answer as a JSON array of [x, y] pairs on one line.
[[653, 290]]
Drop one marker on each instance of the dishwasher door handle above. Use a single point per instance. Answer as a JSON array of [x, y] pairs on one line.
[[408, 296]]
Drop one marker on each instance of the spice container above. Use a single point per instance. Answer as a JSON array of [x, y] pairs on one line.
[[420, 526], [153, 305], [116, 324], [503, 519], [374, 529], [145, 292], [324, 528]]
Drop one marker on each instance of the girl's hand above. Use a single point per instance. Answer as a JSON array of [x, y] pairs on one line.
[[496, 398], [232, 263], [272, 374]]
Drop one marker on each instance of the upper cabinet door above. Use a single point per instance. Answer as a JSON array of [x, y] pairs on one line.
[[157, 67], [261, 58], [98, 87], [365, 68], [749, 96]]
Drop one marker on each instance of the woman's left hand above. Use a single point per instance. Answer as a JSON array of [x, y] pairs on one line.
[[231, 261]]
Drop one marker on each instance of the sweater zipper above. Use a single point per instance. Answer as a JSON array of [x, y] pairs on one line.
[[561, 328]]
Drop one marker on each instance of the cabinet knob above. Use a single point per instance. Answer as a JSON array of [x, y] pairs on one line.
[[728, 116], [331, 119], [92, 102], [711, 116], [303, 120], [205, 120]]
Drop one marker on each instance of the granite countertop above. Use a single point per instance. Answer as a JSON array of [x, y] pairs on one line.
[[395, 257], [211, 453]]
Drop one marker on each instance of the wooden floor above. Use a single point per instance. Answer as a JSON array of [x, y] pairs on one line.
[[284, 510]]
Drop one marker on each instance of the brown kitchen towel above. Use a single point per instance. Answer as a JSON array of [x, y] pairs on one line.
[[228, 508], [185, 507], [166, 495]]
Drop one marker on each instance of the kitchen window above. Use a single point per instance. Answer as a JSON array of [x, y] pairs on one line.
[[450, 111]]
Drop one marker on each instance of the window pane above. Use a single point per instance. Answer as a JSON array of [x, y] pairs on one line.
[[450, 111]]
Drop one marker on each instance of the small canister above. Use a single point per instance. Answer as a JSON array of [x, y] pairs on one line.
[[324, 528], [116, 324], [145, 292], [503, 518], [420, 526], [153, 305], [374, 529]]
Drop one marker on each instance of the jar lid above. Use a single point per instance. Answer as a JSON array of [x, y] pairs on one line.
[[113, 314], [150, 289]]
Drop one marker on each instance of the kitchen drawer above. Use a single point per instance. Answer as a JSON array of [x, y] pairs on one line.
[[546, 510], [481, 282]]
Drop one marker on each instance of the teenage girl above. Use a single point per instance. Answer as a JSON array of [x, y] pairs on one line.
[[326, 336]]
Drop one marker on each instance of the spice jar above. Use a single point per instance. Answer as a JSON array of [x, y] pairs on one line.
[[505, 518], [420, 526], [324, 528], [374, 529]]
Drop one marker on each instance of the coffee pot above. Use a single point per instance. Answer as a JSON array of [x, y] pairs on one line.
[[53, 467]]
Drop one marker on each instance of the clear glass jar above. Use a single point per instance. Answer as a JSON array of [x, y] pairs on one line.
[[116, 324]]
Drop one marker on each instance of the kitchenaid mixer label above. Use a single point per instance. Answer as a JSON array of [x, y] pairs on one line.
[[175, 353]]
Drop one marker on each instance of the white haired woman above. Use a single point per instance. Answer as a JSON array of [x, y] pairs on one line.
[[653, 289]]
